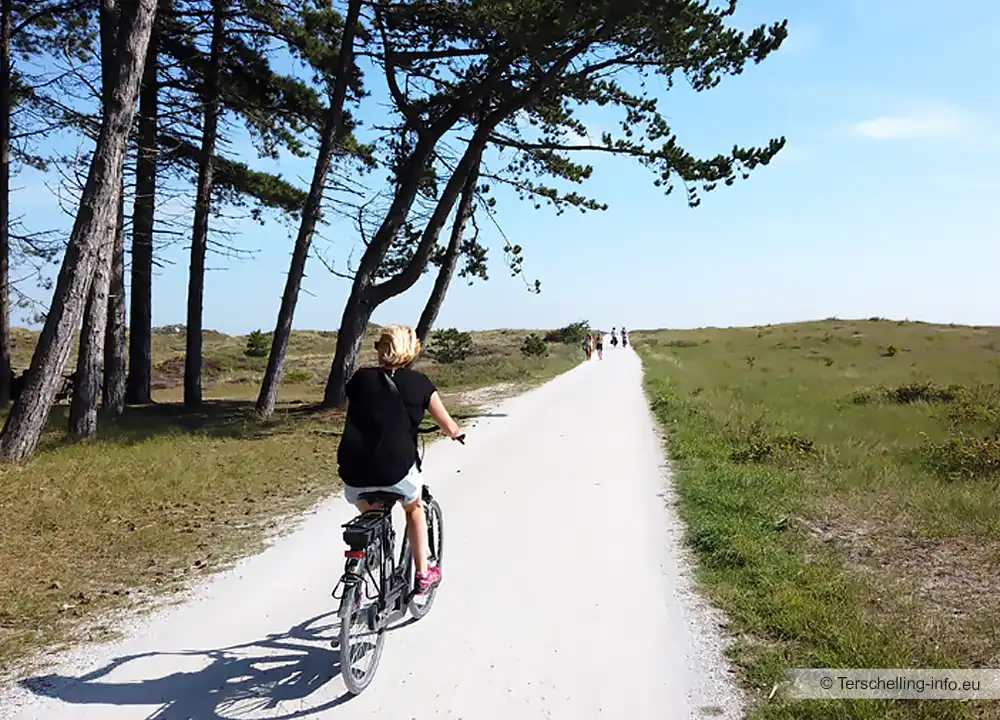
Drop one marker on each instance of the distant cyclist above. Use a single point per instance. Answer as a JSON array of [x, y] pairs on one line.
[[378, 450], [614, 338]]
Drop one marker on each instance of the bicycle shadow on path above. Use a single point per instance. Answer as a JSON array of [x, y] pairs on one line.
[[250, 680]]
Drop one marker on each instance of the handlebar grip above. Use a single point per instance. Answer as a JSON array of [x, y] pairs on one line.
[[461, 438]]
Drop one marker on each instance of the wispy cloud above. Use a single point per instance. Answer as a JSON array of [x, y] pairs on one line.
[[938, 122], [794, 154]]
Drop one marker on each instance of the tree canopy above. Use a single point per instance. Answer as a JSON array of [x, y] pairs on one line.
[[482, 100]]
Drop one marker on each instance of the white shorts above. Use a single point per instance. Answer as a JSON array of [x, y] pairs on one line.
[[409, 487]]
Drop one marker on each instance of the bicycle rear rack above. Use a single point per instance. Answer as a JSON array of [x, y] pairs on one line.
[[360, 532]]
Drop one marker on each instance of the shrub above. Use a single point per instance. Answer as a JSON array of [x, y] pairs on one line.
[[979, 405], [258, 344], [759, 446], [920, 392], [965, 457], [572, 334], [863, 397], [908, 394], [450, 346], [534, 346], [890, 351]]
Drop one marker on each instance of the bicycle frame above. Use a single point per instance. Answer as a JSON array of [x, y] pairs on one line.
[[371, 537]]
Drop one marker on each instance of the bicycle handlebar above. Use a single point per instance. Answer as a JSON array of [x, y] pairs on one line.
[[435, 428]]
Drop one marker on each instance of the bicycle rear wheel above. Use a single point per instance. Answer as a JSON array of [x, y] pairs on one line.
[[420, 605], [360, 645]]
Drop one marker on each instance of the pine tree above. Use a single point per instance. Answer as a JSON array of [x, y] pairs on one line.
[[538, 60]]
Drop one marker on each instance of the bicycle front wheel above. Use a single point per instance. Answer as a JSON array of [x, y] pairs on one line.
[[360, 643], [420, 605]]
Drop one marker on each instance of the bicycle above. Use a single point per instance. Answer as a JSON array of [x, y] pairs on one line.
[[371, 563]]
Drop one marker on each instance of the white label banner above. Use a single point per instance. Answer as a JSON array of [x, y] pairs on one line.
[[892, 684]]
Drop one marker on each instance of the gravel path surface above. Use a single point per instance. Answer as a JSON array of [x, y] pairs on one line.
[[565, 594]]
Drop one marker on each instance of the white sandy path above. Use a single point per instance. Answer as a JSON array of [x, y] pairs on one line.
[[565, 594]]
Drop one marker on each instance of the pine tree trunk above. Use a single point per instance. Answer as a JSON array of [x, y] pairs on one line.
[[357, 313], [366, 295], [447, 270], [90, 360], [140, 336], [113, 395], [357, 310], [203, 202], [93, 228], [6, 373], [310, 216]]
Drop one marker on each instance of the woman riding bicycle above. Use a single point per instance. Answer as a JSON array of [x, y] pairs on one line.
[[378, 450]]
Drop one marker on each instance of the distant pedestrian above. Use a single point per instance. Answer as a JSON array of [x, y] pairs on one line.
[[624, 337], [599, 345], [588, 345], [614, 338]]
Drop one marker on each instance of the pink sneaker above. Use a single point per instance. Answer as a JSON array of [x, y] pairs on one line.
[[428, 580]]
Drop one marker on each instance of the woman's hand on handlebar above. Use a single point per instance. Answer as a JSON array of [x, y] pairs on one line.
[[440, 415]]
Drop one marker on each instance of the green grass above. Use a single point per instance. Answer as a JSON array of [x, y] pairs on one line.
[[841, 496], [164, 495]]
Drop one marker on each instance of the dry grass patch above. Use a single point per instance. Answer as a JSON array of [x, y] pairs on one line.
[[161, 498]]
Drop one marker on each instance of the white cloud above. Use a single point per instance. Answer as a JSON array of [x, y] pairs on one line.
[[932, 123], [794, 154]]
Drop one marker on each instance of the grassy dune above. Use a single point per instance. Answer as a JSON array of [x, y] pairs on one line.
[[166, 495], [839, 480]]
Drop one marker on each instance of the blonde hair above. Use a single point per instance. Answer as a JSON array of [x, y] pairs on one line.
[[397, 345]]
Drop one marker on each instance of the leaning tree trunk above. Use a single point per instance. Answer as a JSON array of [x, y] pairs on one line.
[[358, 309], [310, 216], [6, 373], [450, 259], [113, 395], [366, 296], [140, 336], [203, 202], [90, 360], [95, 224], [357, 312]]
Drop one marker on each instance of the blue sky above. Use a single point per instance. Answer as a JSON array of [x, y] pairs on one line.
[[882, 203]]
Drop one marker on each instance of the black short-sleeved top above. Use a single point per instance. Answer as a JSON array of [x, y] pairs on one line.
[[373, 409]]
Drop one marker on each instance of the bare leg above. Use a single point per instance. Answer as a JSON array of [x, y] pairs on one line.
[[416, 531]]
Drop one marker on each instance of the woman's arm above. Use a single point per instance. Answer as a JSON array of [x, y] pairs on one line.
[[440, 414]]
